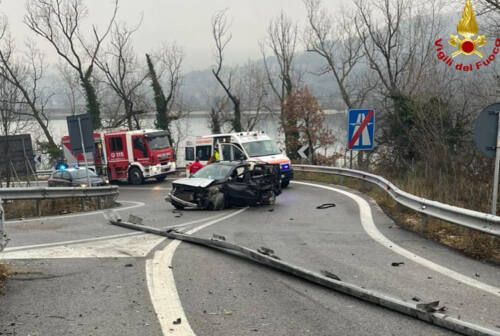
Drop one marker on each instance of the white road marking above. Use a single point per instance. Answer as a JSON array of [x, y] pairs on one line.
[[135, 205], [65, 244], [138, 245], [370, 228], [70, 242], [162, 289]]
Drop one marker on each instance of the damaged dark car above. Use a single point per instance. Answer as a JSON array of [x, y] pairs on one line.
[[223, 184]]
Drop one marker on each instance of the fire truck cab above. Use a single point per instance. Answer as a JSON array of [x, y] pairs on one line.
[[128, 156], [242, 146]]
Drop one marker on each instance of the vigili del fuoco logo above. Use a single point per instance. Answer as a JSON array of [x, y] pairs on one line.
[[467, 44]]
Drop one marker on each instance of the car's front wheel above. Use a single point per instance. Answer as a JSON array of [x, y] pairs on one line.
[[269, 198], [217, 201]]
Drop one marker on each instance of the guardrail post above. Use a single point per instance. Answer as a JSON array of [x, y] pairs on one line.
[[82, 204], [38, 208], [425, 220], [99, 203], [2, 234]]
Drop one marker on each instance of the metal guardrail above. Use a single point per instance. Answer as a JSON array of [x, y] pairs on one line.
[[476, 220], [41, 193]]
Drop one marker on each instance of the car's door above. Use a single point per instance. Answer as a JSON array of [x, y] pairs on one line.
[[55, 180], [240, 186], [66, 179]]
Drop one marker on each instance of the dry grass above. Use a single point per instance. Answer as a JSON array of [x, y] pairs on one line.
[[5, 272], [26, 209], [475, 244]]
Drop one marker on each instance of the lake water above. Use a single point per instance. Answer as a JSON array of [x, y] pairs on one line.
[[196, 124]]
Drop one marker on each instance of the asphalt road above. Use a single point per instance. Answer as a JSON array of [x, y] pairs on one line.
[[78, 275]]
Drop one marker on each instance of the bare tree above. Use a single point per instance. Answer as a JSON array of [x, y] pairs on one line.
[[72, 88], [335, 40], [60, 23], [25, 74], [282, 40], [222, 36], [399, 44], [217, 116], [123, 74], [254, 92]]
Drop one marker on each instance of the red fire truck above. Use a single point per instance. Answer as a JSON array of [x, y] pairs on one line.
[[129, 156]]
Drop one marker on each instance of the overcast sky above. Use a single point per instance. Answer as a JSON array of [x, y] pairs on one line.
[[186, 22]]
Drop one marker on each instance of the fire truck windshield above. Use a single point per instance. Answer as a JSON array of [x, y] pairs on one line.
[[157, 142], [261, 148]]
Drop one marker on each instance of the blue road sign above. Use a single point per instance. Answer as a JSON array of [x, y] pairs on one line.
[[361, 129]]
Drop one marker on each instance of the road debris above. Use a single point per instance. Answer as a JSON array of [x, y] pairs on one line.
[[227, 312], [396, 264], [218, 237], [416, 299], [135, 219], [330, 275], [129, 265], [326, 206], [178, 321], [268, 252], [427, 312]]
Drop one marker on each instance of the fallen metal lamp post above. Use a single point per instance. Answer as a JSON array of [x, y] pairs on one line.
[[427, 312]]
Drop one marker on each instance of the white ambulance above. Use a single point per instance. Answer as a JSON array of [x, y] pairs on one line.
[[250, 146]]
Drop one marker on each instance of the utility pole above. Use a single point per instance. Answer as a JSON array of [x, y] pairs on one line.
[[3, 241], [497, 156]]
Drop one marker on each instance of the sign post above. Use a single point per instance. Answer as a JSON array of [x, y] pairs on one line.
[[497, 166], [487, 139], [360, 130], [81, 137], [2, 234]]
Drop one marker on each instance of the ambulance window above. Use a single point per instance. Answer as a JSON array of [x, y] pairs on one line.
[[204, 152], [189, 154], [238, 153], [116, 144]]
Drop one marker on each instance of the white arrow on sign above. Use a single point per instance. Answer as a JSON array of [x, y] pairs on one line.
[[302, 150]]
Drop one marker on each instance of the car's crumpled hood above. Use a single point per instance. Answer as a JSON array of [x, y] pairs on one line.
[[195, 182]]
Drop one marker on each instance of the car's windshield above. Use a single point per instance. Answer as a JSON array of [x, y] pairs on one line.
[[82, 173], [214, 171], [157, 142], [261, 148]]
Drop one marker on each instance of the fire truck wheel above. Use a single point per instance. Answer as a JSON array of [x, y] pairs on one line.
[[135, 176], [161, 178]]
